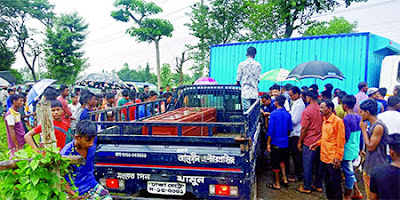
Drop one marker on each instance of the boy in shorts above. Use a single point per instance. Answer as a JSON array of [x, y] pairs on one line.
[[84, 144]]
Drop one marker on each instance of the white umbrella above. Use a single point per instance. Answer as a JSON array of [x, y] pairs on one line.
[[38, 89]]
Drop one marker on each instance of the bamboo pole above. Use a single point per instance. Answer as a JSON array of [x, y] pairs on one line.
[[48, 136], [46, 120]]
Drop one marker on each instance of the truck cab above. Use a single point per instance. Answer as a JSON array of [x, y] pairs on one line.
[[206, 147], [390, 73]]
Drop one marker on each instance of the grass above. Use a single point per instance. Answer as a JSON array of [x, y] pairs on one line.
[[3, 140]]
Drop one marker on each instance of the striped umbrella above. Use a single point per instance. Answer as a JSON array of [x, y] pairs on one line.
[[276, 75]]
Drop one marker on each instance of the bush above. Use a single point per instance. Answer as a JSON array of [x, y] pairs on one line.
[[35, 177]]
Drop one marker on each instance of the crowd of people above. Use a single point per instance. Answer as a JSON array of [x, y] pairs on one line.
[[74, 131], [327, 134]]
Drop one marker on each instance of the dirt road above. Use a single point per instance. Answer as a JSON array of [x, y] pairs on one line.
[[265, 176]]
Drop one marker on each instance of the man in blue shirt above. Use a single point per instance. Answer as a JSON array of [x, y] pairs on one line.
[[90, 100], [267, 106], [84, 144], [279, 128], [9, 103]]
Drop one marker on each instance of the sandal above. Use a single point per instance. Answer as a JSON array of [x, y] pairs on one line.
[[302, 190], [317, 189], [271, 185], [292, 180]]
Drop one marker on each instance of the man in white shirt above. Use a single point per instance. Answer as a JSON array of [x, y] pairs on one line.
[[3, 99], [296, 111], [391, 117], [74, 108], [248, 76], [335, 99]]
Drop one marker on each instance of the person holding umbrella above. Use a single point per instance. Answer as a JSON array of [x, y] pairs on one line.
[[248, 76]]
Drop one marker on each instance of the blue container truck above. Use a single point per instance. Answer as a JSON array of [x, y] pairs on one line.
[[220, 165], [358, 55]]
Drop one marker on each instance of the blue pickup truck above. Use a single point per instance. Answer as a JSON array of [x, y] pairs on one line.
[[218, 165]]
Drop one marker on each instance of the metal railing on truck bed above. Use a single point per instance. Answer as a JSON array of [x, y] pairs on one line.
[[225, 98]]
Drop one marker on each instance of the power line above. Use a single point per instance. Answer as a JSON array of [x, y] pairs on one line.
[[163, 47], [380, 24], [105, 26], [104, 37], [93, 44], [351, 9], [107, 36], [175, 11]]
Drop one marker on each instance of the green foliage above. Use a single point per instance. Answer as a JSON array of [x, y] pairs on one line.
[[166, 75], [260, 21], [151, 30], [18, 76], [16, 17], [64, 41], [7, 58], [35, 179], [144, 75], [291, 15], [27, 75], [140, 75], [219, 23], [335, 26], [3, 140], [171, 78], [145, 29]]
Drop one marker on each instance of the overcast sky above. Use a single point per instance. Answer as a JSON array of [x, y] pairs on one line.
[[108, 47]]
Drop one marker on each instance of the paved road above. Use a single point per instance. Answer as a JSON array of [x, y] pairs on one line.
[[265, 176]]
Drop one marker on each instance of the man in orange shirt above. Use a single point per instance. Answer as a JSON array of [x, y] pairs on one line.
[[332, 147]]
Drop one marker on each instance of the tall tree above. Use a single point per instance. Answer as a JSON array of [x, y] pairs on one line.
[[166, 75], [7, 56], [16, 14], [336, 25], [260, 23], [64, 41], [145, 29], [179, 67], [219, 22]]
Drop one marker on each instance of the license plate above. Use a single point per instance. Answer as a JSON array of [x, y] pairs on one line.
[[166, 188]]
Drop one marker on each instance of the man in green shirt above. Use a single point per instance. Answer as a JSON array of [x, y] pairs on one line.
[[340, 112], [125, 98]]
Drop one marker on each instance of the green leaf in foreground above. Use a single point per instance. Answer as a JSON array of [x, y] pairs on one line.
[[34, 164], [23, 164]]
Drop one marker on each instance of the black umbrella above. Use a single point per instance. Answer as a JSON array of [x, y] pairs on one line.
[[316, 69]]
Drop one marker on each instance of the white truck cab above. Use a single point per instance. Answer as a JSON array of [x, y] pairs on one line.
[[390, 73]]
